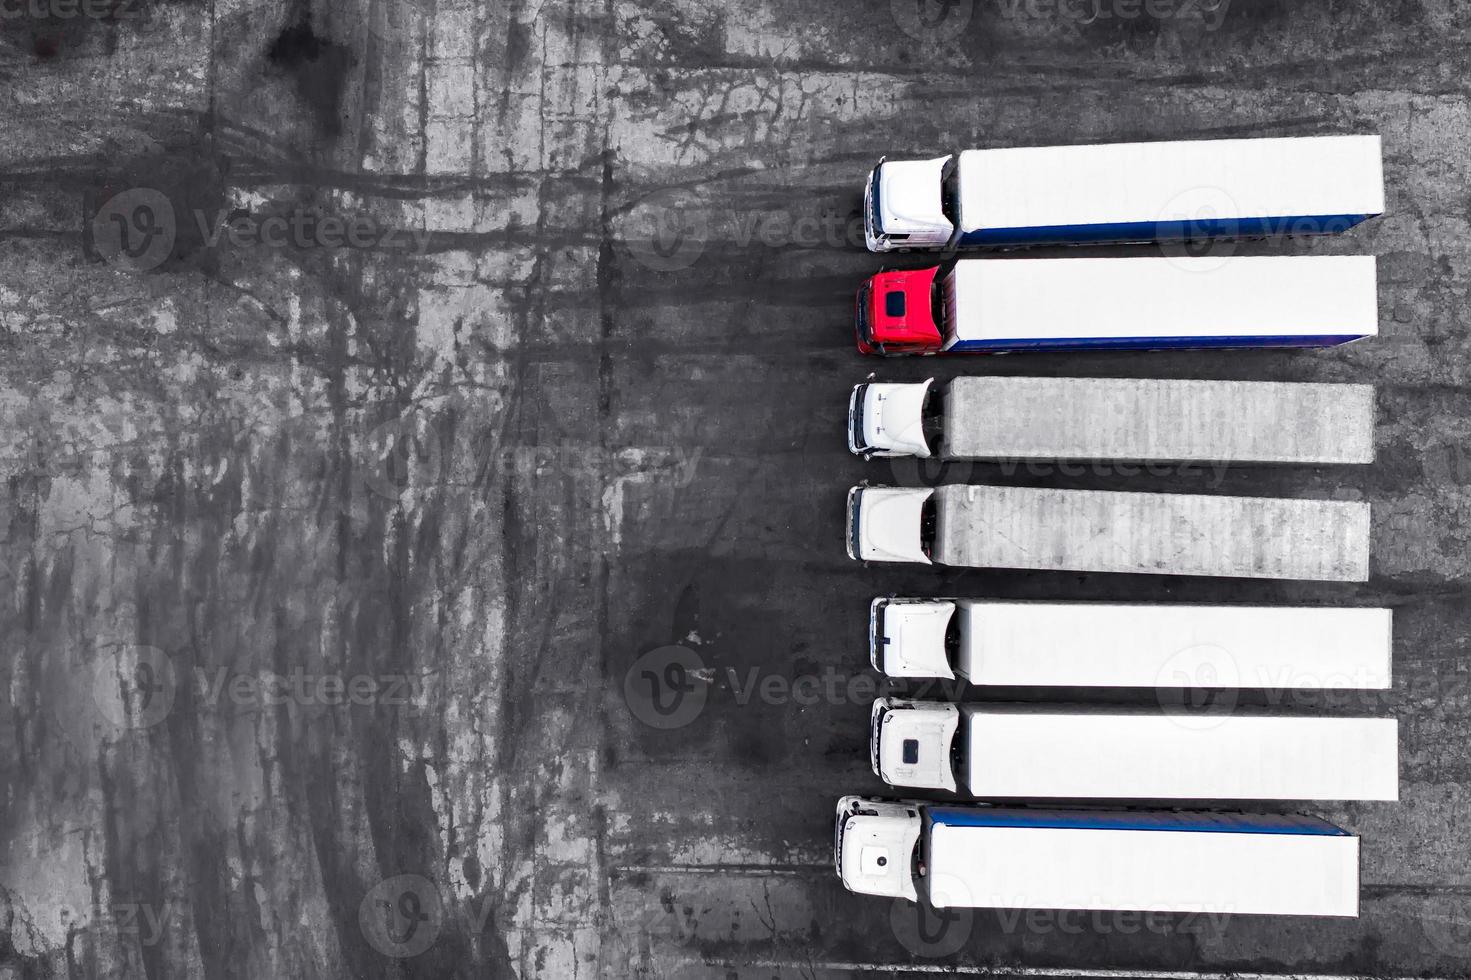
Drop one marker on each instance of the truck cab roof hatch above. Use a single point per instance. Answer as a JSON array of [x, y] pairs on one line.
[[912, 741]]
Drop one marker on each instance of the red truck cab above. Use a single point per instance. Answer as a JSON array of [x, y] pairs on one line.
[[896, 313]]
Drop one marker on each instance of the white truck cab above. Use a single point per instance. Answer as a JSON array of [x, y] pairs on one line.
[[888, 524], [912, 637], [912, 743], [875, 846], [889, 420], [903, 206]]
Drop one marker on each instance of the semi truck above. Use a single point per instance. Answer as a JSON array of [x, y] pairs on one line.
[[1024, 751], [1116, 645], [1110, 860], [1110, 531], [1124, 192], [996, 306], [1143, 420]]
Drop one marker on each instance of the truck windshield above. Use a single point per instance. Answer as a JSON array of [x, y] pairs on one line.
[[879, 643], [927, 516], [873, 202], [950, 191], [865, 326], [937, 303], [842, 823], [932, 419]]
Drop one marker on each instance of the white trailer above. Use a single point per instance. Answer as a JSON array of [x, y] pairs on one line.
[[1099, 644], [1125, 192], [1124, 860], [1143, 420], [1039, 752], [1111, 531]]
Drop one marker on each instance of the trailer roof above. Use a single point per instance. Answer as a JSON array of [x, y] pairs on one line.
[[1022, 751], [1026, 644], [1149, 419], [1142, 869], [1161, 533], [1119, 183], [1169, 297]]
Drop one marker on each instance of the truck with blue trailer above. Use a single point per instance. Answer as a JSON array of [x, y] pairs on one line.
[[997, 306], [1110, 860], [1124, 192]]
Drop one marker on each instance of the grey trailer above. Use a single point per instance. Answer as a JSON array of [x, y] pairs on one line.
[[1110, 531], [1143, 420]]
